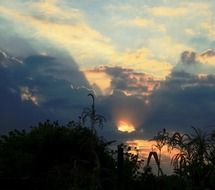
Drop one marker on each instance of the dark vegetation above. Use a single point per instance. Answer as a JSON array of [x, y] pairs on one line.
[[74, 157]]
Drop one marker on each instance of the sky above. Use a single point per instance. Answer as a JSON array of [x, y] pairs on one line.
[[150, 64]]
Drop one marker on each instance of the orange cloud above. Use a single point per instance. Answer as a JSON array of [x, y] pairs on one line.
[[118, 78]]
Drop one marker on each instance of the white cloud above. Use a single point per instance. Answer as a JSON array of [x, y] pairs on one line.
[[27, 95]]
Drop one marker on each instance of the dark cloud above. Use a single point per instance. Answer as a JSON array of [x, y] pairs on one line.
[[45, 87], [183, 100], [128, 81], [195, 63], [208, 53], [188, 57], [39, 87], [118, 107]]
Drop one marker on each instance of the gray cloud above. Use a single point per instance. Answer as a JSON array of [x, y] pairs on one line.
[[192, 62], [188, 57], [118, 107], [129, 81], [184, 99], [40, 87], [208, 53]]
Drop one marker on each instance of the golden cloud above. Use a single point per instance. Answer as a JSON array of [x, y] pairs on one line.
[[142, 60], [126, 80], [98, 78], [168, 48], [168, 11], [207, 57], [85, 44], [209, 27], [142, 22], [51, 8]]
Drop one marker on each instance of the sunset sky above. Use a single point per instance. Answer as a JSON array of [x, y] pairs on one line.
[[150, 63]]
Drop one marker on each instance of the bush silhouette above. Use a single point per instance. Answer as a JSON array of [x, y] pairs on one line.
[[51, 156], [56, 157]]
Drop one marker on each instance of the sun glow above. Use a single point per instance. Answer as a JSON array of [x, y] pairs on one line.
[[125, 126]]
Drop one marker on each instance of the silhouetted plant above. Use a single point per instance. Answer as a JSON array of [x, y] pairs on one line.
[[161, 140], [157, 161], [181, 159], [51, 156], [90, 114], [129, 167], [192, 160]]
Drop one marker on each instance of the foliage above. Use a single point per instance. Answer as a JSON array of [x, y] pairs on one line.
[[161, 140], [194, 160], [90, 115], [51, 156], [73, 157]]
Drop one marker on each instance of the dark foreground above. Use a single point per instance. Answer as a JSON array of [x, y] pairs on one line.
[[73, 157]]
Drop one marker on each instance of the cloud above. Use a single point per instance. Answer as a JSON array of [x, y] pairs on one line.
[[182, 101], [127, 100], [168, 48], [123, 79], [197, 63], [208, 26], [185, 98], [168, 11], [207, 57], [67, 29], [138, 81], [27, 95], [120, 107], [180, 9], [144, 60], [140, 22], [99, 80], [38, 88], [70, 36], [188, 57], [50, 10], [41, 87]]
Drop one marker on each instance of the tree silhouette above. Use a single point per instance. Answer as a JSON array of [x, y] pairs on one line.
[[90, 113], [52, 156]]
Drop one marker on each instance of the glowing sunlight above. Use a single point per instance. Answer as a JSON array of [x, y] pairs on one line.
[[125, 126]]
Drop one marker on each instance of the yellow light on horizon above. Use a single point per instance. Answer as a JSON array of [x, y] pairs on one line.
[[125, 126]]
